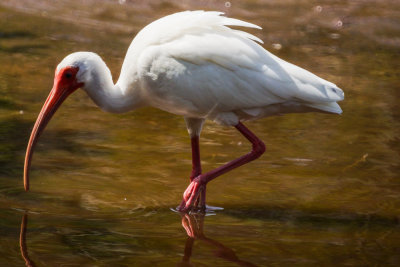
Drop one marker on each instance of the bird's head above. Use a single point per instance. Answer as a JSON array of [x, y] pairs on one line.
[[69, 76]]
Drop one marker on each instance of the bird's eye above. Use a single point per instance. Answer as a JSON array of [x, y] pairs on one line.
[[68, 75]]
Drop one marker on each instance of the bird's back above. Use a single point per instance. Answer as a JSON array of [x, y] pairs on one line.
[[191, 63]]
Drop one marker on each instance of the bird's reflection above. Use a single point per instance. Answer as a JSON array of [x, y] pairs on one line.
[[22, 242], [193, 224]]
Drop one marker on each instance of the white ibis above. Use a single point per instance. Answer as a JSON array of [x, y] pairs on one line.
[[192, 64]]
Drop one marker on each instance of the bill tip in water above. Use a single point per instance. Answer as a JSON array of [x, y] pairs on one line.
[[26, 182]]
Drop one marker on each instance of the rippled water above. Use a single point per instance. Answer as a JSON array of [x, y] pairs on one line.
[[326, 192]]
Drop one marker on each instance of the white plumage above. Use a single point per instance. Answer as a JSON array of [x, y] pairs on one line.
[[193, 64], [190, 63]]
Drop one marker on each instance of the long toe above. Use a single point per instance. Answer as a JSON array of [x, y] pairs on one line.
[[193, 197]]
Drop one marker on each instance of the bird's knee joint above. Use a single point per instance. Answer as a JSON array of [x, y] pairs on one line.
[[258, 149]]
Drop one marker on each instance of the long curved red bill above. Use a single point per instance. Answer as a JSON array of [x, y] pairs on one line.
[[61, 90]]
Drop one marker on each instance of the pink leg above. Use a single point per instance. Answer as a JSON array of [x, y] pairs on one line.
[[198, 184], [196, 164], [196, 169]]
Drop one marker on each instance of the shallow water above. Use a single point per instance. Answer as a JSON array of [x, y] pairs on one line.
[[326, 192]]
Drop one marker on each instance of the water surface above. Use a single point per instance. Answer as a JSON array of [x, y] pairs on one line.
[[326, 192]]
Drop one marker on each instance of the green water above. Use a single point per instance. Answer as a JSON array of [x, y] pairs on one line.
[[325, 193]]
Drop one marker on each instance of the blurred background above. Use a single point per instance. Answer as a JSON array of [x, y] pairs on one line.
[[325, 193]]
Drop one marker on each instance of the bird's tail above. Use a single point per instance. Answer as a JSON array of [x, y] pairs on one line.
[[331, 107]]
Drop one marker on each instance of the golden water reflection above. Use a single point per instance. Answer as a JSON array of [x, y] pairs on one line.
[[326, 192], [194, 227], [22, 242]]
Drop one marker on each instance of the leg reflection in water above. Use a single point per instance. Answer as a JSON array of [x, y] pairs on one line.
[[22, 242], [193, 224]]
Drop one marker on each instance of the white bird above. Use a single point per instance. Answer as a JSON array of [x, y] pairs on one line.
[[192, 64]]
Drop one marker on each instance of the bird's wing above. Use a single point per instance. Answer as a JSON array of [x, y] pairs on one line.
[[209, 64], [174, 26]]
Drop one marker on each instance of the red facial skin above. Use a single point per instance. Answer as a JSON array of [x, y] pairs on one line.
[[65, 83]]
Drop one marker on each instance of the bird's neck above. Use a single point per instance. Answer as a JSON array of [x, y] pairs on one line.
[[115, 98]]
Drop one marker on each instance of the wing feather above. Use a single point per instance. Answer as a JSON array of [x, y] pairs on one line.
[[197, 60]]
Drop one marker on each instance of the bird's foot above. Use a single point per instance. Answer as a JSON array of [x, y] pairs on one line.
[[194, 197]]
